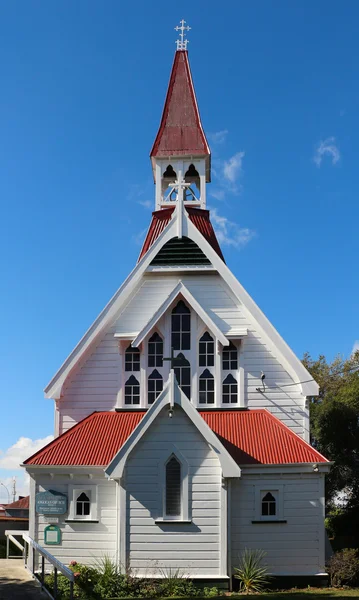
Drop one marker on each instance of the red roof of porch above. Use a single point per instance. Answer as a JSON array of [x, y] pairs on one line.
[[250, 436]]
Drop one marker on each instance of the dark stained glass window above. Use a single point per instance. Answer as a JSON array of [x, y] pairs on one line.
[[230, 358], [132, 359], [268, 505], [181, 327], [182, 371], [206, 388], [155, 386], [206, 351], [132, 391], [230, 390], [173, 488], [155, 351]]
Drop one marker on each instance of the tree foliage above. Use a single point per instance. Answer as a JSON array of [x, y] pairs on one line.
[[334, 416]]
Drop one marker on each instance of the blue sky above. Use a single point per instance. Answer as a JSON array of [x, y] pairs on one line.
[[83, 86]]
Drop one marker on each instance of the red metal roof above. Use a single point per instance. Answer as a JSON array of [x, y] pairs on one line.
[[180, 131], [250, 436], [258, 437], [199, 217], [21, 504]]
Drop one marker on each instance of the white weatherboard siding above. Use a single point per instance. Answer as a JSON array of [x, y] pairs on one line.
[[192, 547], [95, 383], [83, 542], [293, 548]]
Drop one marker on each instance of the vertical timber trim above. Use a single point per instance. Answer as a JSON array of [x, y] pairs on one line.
[[223, 529], [118, 522], [321, 524], [32, 520], [229, 529], [123, 525], [241, 375], [217, 374]]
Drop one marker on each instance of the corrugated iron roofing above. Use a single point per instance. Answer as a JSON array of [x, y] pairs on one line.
[[22, 503], [250, 436], [180, 132], [199, 217]]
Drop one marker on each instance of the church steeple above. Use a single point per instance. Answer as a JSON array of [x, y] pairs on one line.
[[180, 151]]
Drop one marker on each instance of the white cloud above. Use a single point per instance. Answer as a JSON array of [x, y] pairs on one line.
[[218, 137], [218, 194], [327, 147], [230, 233], [232, 167], [355, 347], [11, 458], [146, 203]]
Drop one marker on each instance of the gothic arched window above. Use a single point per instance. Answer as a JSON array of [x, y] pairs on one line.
[[182, 371], [132, 359], [193, 191], [83, 505], [206, 388], [181, 327], [230, 358], [132, 391], [155, 386], [155, 351], [206, 351], [230, 390], [170, 173], [173, 488], [269, 505]]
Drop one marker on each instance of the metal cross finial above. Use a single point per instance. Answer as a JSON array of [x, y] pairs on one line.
[[182, 43]]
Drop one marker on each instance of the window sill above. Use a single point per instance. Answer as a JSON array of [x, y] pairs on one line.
[[172, 521], [82, 521], [271, 521]]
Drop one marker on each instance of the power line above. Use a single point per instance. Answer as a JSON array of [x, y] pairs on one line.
[[274, 387]]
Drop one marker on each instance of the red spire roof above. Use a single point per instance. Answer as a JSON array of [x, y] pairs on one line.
[[180, 132]]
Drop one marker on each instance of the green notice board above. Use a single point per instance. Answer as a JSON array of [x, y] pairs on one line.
[[52, 535]]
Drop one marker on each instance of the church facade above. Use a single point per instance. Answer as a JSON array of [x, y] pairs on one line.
[[181, 417]]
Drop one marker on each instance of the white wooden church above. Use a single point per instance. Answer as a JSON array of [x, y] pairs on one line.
[[181, 417]]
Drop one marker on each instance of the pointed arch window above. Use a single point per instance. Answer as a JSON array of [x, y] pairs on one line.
[[173, 488], [181, 327], [170, 173], [132, 391], [206, 388], [269, 505], [230, 390], [193, 191], [206, 351], [155, 351], [132, 359], [155, 386], [83, 505], [230, 358], [182, 371]]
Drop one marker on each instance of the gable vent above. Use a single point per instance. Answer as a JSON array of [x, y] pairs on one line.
[[180, 251]]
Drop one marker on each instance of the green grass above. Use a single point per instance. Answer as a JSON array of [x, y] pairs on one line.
[[314, 593]]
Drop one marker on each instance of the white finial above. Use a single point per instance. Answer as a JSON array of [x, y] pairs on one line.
[[182, 43]]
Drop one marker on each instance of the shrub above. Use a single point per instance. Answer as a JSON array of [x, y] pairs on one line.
[[252, 575], [105, 581], [343, 568], [211, 592]]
